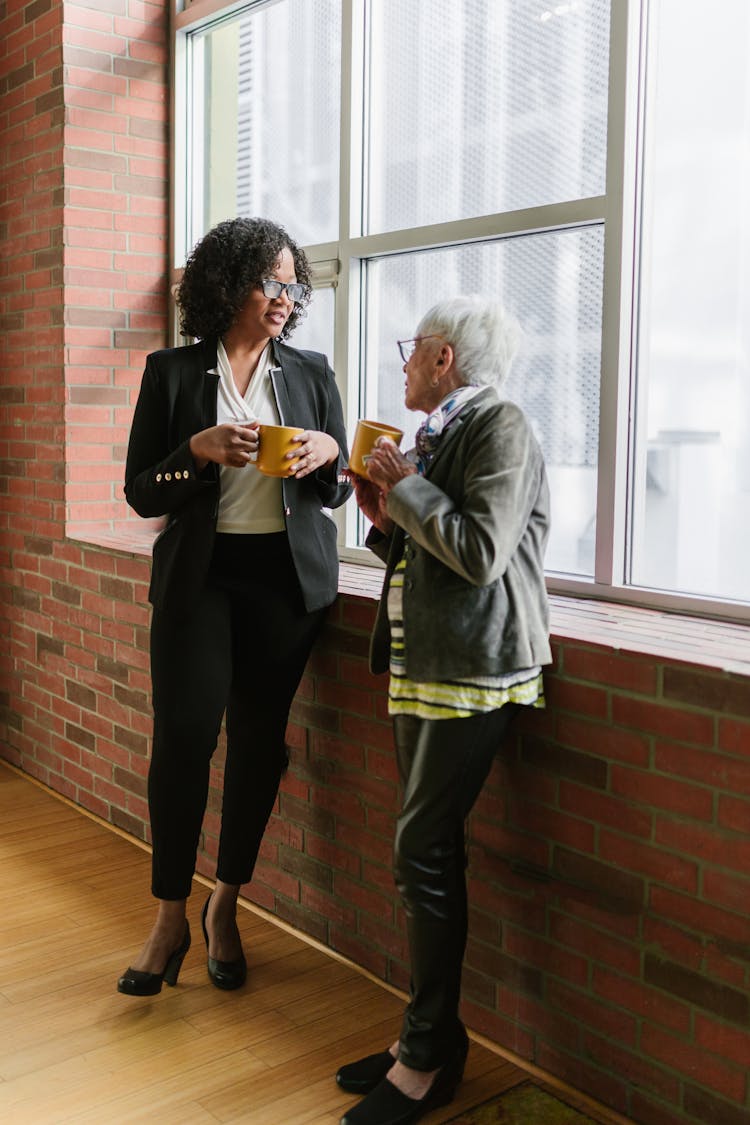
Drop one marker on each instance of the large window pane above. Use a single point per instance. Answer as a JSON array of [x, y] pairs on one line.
[[691, 505], [265, 112], [553, 283], [478, 106], [315, 331]]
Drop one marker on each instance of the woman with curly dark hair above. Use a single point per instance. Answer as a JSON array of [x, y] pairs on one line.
[[242, 574]]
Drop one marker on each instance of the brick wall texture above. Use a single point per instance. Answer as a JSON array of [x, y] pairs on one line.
[[609, 853]]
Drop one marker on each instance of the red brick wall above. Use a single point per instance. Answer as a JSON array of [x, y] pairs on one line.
[[115, 217], [31, 277], [32, 393], [609, 853], [83, 277], [83, 221]]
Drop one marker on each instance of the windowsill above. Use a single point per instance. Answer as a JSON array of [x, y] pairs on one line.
[[134, 536], [722, 645]]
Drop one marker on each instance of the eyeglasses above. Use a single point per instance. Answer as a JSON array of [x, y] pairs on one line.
[[295, 290], [406, 347]]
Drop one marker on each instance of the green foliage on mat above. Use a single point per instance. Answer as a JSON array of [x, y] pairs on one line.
[[523, 1105]]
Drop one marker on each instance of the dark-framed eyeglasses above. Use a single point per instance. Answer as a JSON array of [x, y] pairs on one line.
[[406, 347], [295, 290]]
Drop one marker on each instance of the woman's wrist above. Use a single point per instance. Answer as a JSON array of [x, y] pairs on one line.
[[336, 450], [200, 462]]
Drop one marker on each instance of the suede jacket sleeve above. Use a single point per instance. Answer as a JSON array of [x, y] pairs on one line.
[[472, 522]]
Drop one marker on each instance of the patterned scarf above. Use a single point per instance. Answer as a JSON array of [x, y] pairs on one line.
[[427, 438]]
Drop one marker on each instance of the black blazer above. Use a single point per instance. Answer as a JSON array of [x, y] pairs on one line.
[[178, 399]]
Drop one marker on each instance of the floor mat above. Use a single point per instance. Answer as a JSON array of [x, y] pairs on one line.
[[523, 1105]]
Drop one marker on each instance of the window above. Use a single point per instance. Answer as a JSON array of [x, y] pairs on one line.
[[691, 479], [553, 283], [265, 118], [554, 155]]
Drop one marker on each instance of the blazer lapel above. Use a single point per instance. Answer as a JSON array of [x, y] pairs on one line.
[[280, 384], [210, 383]]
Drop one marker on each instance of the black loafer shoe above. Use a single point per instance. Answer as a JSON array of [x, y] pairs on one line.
[[386, 1105], [224, 974], [363, 1075]]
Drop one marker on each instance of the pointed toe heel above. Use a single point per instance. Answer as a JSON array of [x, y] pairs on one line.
[[133, 982]]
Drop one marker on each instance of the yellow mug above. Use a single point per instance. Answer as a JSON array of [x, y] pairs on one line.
[[274, 442], [365, 436]]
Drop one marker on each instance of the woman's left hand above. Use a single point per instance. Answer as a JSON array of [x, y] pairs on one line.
[[315, 450], [387, 465]]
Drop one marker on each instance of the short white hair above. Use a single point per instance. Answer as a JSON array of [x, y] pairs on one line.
[[483, 334]]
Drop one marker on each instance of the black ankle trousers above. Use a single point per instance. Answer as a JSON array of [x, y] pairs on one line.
[[242, 651], [443, 765]]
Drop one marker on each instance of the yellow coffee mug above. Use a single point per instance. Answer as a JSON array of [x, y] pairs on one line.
[[365, 436], [274, 442]]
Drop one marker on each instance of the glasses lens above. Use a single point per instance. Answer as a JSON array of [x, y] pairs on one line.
[[295, 289]]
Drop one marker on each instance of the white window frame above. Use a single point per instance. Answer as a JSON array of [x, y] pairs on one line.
[[339, 264]]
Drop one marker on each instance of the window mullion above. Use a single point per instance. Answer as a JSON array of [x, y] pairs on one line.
[[530, 220], [347, 293], [618, 294]]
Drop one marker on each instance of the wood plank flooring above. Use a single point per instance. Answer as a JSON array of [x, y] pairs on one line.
[[76, 907]]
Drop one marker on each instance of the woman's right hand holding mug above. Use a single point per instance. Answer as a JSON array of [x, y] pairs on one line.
[[231, 443]]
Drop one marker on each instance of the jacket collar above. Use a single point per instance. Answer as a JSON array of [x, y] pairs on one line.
[[486, 397], [209, 348]]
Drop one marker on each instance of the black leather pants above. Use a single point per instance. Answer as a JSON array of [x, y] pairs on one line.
[[443, 765], [243, 651]]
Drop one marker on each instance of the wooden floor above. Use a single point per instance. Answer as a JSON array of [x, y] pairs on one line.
[[76, 907]]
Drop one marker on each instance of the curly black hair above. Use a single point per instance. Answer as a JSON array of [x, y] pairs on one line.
[[225, 265]]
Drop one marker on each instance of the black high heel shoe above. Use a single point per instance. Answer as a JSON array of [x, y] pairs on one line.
[[386, 1105], [133, 982], [224, 974]]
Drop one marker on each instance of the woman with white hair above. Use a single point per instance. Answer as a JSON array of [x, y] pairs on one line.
[[462, 626]]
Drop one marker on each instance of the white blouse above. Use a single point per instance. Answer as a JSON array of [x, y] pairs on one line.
[[249, 502]]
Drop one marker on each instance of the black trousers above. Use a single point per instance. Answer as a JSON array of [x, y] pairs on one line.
[[443, 765], [242, 652]]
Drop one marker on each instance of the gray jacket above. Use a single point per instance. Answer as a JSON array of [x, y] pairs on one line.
[[475, 601]]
